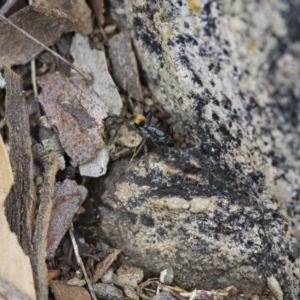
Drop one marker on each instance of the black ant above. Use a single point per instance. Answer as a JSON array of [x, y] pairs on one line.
[[158, 137]]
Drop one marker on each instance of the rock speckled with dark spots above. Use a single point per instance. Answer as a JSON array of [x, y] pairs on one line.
[[230, 72]]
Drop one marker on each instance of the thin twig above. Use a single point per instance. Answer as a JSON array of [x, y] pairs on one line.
[[82, 73], [80, 262]]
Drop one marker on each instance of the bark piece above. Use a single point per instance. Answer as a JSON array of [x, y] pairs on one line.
[[16, 277], [94, 62], [44, 24], [63, 291], [67, 199], [98, 6], [21, 201], [124, 65], [77, 9], [77, 112], [41, 228], [102, 267]]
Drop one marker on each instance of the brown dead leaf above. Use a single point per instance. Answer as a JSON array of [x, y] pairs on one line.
[[17, 275], [103, 266], [44, 24], [124, 65], [77, 9], [21, 201], [63, 291], [94, 62], [67, 199], [98, 6], [77, 112]]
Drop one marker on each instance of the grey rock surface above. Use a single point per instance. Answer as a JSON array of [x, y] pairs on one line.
[[230, 72]]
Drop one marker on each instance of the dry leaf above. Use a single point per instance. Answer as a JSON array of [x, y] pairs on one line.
[[94, 62], [21, 201], [44, 24], [68, 198], [77, 9], [63, 291], [96, 167], [124, 65], [17, 274], [102, 267], [77, 112]]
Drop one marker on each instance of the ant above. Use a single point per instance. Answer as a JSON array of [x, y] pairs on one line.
[[158, 137]]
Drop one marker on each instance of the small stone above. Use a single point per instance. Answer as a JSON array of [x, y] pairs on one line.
[[167, 276], [108, 292]]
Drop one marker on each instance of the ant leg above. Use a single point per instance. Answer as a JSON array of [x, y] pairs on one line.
[[138, 150], [149, 112], [146, 157]]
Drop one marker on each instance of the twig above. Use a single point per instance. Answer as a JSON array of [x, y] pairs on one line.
[[83, 74], [80, 262]]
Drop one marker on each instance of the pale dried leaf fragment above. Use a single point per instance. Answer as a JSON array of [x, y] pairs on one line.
[[68, 198], [77, 9], [124, 65], [19, 274], [102, 267], [94, 62], [46, 25], [98, 166], [63, 291], [21, 201], [41, 227], [77, 112]]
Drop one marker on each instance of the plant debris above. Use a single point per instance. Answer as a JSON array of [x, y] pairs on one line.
[[77, 9], [16, 280], [63, 291], [67, 199], [44, 24], [124, 65], [102, 83], [102, 267], [21, 201], [77, 113]]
